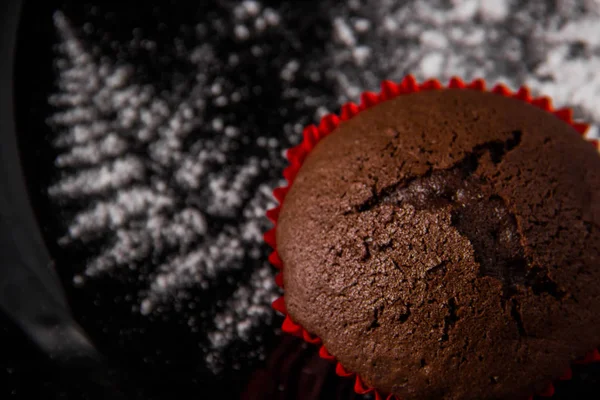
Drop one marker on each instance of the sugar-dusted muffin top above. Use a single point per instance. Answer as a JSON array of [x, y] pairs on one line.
[[446, 245]]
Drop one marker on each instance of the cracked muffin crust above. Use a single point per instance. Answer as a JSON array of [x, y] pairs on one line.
[[445, 245]]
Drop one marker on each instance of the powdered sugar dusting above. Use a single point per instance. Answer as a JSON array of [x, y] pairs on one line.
[[112, 175], [242, 311], [149, 168], [494, 10], [513, 42], [113, 213], [569, 72], [216, 256]]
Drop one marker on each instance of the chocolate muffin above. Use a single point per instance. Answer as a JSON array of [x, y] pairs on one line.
[[445, 245]]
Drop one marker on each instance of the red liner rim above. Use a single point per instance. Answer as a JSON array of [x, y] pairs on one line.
[[313, 134]]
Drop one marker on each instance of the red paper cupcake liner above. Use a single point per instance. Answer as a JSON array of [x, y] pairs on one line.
[[313, 134]]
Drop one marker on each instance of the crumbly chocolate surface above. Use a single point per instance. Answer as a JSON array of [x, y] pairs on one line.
[[445, 245]]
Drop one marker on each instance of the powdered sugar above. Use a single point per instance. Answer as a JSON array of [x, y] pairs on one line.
[[513, 42], [112, 175], [113, 213], [241, 312], [569, 72], [494, 10], [149, 168], [343, 32]]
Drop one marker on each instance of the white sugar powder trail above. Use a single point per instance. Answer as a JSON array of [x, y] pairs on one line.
[[242, 311], [516, 42], [573, 79], [99, 103], [115, 212], [114, 174], [102, 113]]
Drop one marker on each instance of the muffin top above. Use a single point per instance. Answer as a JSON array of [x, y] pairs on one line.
[[445, 245]]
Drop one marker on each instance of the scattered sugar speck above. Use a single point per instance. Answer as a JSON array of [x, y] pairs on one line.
[[343, 32], [494, 10], [241, 32], [362, 25], [361, 54]]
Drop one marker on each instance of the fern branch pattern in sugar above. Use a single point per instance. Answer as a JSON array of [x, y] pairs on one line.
[[162, 186]]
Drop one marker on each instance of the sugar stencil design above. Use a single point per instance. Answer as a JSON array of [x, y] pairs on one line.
[[147, 178]]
